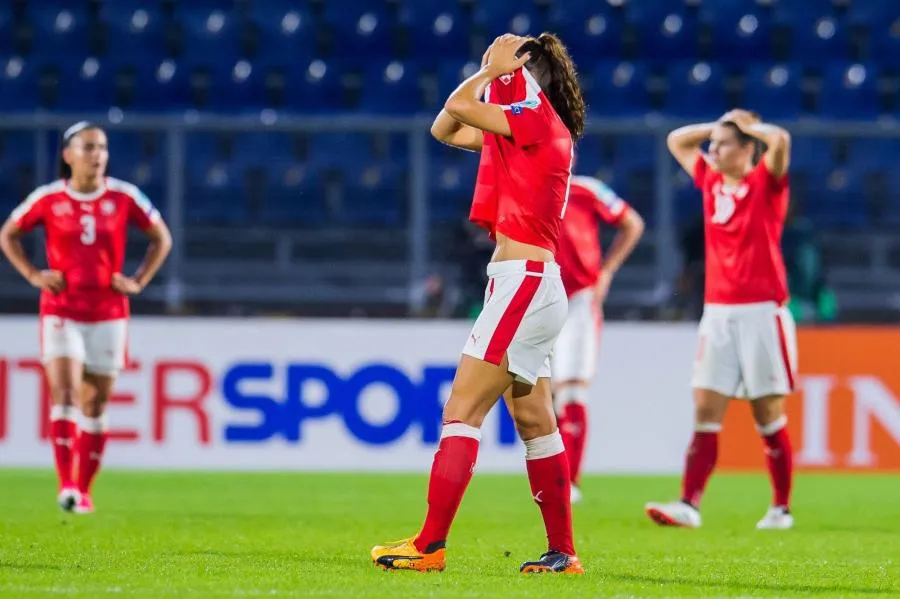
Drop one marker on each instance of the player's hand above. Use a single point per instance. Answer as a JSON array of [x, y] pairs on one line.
[[742, 118], [601, 288], [125, 285], [501, 56], [48, 280]]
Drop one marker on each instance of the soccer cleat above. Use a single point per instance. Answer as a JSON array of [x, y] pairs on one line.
[[68, 497], [84, 505], [575, 495], [403, 555], [676, 513], [553, 562], [777, 518]]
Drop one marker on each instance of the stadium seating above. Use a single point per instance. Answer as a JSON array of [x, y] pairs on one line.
[[682, 58]]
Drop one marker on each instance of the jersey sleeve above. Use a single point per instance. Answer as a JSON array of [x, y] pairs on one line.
[[775, 184], [141, 211], [526, 122], [607, 204], [701, 169], [30, 213]]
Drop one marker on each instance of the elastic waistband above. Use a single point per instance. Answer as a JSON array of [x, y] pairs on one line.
[[531, 268], [742, 308]]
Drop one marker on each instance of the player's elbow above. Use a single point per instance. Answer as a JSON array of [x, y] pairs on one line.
[[458, 108], [635, 224]]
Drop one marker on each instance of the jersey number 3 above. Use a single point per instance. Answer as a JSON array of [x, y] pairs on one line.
[[88, 229]]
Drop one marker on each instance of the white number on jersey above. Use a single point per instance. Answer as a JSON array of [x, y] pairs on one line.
[[88, 229], [724, 208]]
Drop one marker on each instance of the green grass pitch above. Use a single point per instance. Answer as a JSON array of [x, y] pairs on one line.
[[192, 535]]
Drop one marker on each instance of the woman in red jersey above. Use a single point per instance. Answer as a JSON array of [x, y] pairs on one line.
[[84, 295], [574, 361], [747, 347], [523, 111]]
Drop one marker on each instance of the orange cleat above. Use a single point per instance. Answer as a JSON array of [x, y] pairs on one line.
[[403, 555], [553, 562]]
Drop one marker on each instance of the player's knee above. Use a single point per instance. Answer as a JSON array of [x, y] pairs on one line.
[[534, 423], [65, 394], [94, 407], [459, 409], [768, 410]]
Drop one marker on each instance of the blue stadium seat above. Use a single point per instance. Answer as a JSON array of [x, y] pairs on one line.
[[436, 29], [374, 194], [740, 30], [314, 86], [664, 31], [451, 185], [262, 149], [294, 195], [812, 155], [817, 35], [209, 34], [391, 87], [873, 155], [589, 29], [696, 89], [849, 91], [214, 194], [59, 29], [83, 84], [881, 19], [618, 88], [162, 86], [360, 29], [6, 29], [635, 152], [496, 17], [286, 31], [774, 90], [236, 85], [19, 85], [450, 73], [134, 31], [836, 201], [339, 151]]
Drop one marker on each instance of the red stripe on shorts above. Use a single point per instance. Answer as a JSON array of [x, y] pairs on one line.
[[785, 355], [515, 312]]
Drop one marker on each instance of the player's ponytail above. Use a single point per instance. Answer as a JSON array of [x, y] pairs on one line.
[[558, 79]]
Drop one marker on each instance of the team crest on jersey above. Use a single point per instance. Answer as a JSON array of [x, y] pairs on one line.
[[505, 79], [61, 209], [725, 201], [107, 207]]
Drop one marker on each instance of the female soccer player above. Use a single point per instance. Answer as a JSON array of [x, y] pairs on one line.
[[747, 347], [525, 128], [84, 295], [575, 353]]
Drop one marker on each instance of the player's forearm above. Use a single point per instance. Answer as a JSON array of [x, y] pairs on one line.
[[771, 135], [624, 242], [157, 251], [690, 136], [444, 126], [468, 95], [12, 248]]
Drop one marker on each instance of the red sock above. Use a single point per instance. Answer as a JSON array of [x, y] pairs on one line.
[[91, 443], [548, 473], [63, 431], [573, 424], [780, 460], [451, 472], [700, 463]]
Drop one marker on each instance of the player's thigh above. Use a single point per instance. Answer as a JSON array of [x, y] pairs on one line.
[[476, 388], [64, 377], [575, 351], [105, 347], [710, 406], [533, 409], [61, 338], [767, 352], [717, 365]]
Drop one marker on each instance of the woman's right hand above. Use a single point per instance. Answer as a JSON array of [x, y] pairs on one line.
[[48, 280]]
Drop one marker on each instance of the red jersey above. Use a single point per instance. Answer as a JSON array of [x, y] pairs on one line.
[[85, 239], [523, 180], [590, 202], [743, 226]]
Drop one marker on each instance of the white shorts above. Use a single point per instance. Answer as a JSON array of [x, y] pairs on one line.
[[746, 351], [577, 347], [524, 310], [100, 346]]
